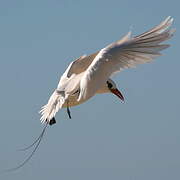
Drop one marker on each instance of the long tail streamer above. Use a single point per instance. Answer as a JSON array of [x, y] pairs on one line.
[[36, 143]]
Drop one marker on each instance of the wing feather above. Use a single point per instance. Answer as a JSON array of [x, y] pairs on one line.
[[125, 53], [81, 64]]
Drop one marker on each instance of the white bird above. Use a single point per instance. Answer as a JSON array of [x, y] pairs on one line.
[[90, 75]]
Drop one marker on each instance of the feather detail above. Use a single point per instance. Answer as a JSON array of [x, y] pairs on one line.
[[49, 111]]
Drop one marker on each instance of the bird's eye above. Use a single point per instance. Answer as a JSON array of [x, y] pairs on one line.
[[109, 85]]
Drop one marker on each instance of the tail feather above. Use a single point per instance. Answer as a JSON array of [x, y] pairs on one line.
[[49, 111]]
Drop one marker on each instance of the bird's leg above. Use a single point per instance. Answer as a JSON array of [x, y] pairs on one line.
[[68, 110]]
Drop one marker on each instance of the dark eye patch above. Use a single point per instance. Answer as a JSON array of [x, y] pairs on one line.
[[109, 85]]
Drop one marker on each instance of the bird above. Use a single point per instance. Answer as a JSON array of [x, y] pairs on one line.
[[91, 74]]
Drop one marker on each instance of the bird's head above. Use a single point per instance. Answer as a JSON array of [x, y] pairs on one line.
[[113, 89]]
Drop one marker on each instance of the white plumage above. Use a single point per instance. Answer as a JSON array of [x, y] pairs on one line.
[[89, 75]]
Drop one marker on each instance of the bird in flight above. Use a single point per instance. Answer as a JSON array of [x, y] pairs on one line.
[[90, 74]]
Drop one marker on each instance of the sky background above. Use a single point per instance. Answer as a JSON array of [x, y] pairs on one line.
[[106, 139]]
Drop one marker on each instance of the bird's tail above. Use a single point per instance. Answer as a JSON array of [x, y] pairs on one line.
[[49, 110]]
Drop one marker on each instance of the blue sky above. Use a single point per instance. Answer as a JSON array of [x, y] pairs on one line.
[[105, 139]]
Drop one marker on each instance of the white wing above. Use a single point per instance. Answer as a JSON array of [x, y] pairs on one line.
[[81, 64], [126, 53], [75, 70]]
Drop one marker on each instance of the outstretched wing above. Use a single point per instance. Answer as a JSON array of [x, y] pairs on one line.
[[71, 77], [125, 53], [81, 64]]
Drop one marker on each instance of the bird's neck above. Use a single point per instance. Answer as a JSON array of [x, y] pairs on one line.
[[103, 89]]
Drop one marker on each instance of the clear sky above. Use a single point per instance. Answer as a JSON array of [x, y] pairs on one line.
[[106, 139]]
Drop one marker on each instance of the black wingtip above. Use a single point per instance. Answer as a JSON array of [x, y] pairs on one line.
[[52, 121]]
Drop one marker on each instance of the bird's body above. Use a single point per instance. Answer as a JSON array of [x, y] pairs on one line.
[[73, 99], [89, 75]]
